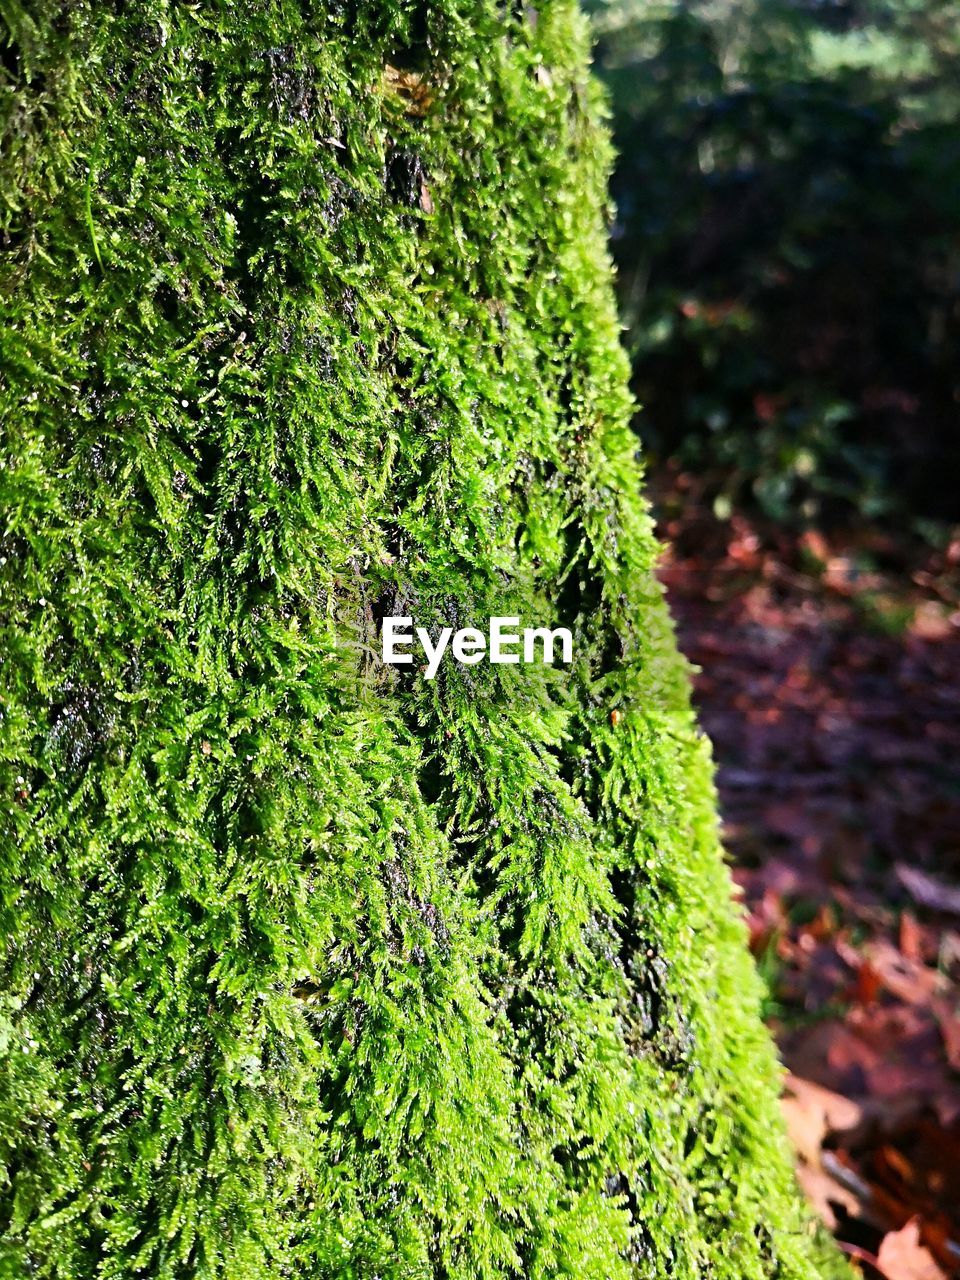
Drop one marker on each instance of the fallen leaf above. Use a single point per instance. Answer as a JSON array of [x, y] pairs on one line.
[[812, 1112], [931, 621], [948, 1019], [910, 937], [903, 1257], [826, 1194], [815, 544], [868, 985], [904, 978]]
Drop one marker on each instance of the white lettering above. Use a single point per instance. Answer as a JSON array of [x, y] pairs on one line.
[[499, 637], [434, 654], [469, 646], [532, 634], [392, 634]]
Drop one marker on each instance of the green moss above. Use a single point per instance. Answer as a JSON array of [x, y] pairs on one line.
[[313, 967]]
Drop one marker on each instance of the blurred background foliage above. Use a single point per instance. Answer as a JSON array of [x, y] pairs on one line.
[[787, 234], [788, 246]]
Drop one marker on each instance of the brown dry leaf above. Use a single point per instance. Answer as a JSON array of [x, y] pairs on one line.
[[824, 1193], [806, 1128], [948, 1019], [904, 978], [426, 200], [409, 86], [868, 985], [931, 620], [815, 544], [812, 1112], [911, 939], [903, 1257]]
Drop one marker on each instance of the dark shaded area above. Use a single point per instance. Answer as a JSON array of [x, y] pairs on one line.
[[788, 243]]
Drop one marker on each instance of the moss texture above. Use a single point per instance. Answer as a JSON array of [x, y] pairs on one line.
[[314, 968]]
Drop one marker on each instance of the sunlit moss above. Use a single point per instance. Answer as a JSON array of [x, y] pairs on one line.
[[315, 968]]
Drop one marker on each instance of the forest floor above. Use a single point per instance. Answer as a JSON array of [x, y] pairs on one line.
[[829, 681]]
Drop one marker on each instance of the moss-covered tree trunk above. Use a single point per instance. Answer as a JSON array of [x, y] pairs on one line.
[[314, 967]]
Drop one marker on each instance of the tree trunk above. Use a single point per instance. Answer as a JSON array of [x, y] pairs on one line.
[[315, 966]]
